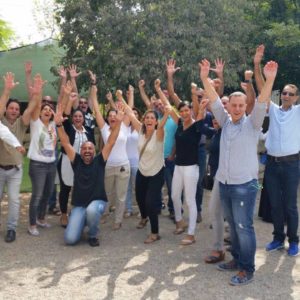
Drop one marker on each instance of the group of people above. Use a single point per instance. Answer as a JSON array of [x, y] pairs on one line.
[[167, 145]]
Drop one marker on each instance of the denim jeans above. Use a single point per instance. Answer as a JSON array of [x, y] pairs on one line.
[[84, 216], [12, 178], [42, 177], [169, 171], [238, 202], [130, 196], [282, 183], [202, 168]]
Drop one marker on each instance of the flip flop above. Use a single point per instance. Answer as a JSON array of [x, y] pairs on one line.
[[212, 259], [151, 239], [187, 242]]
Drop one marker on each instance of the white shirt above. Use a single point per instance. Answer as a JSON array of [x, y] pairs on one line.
[[132, 148], [8, 137]]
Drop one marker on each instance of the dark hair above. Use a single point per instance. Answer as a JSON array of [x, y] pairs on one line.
[[49, 105], [109, 111], [12, 100], [138, 112], [145, 114], [75, 111], [184, 103]]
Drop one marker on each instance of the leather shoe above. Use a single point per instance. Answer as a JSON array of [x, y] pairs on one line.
[[10, 236], [94, 242]]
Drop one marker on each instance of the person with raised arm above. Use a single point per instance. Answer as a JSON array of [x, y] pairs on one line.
[[150, 174], [88, 197], [117, 168], [238, 168]]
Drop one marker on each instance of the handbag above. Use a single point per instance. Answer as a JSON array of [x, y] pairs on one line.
[[208, 179]]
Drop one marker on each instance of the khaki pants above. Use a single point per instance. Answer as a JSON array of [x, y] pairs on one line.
[[116, 184]]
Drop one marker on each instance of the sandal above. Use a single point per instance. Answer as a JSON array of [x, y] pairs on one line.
[[215, 257], [64, 220], [142, 223], [152, 238], [188, 240], [181, 226]]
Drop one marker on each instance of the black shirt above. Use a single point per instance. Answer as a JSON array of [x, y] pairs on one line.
[[187, 143], [88, 181]]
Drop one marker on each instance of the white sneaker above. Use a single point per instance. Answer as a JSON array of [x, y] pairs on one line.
[[33, 231], [43, 225]]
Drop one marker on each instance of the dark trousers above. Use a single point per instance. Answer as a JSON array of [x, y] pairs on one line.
[[64, 191], [202, 168], [148, 196], [282, 182]]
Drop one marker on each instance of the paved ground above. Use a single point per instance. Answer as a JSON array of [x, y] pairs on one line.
[[124, 268]]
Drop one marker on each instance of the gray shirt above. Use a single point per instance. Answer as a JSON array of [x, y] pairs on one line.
[[238, 162]]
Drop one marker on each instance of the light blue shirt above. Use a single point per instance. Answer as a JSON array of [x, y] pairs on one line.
[[238, 162], [169, 139], [283, 136]]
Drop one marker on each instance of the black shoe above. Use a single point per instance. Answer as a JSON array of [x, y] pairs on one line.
[[199, 217], [10, 236], [94, 242], [172, 215]]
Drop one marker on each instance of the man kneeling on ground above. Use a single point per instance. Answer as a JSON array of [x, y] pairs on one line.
[[89, 197]]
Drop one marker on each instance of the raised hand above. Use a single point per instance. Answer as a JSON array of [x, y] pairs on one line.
[[157, 84], [28, 67], [73, 71], [73, 97], [93, 77], [219, 67], [68, 87], [58, 115], [119, 95], [244, 86], [204, 66], [120, 115], [171, 67], [203, 104], [270, 70], [9, 81], [62, 72], [141, 84], [248, 75], [38, 84], [260, 50]]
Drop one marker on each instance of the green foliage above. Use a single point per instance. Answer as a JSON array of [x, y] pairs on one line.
[[6, 35], [124, 41]]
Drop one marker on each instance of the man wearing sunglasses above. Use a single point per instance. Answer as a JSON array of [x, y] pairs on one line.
[[282, 168]]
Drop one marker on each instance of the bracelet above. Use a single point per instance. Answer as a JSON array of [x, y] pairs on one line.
[[93, 83], [59, 125], [248, 81]]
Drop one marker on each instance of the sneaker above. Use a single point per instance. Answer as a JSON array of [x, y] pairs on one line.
[[274, 245], [229, 266], [293, 249], [33, 231], [241, 278], [94, 242], [43, 225]]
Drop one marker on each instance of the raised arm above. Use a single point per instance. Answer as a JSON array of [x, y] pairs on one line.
[[38, 84], [62, 72], [259, 79], [99, 118], [196, 94], [73, 75], [28, 74], [160, 132], [73, 97], [9, 85], [219, 71], [64, 139], [135, 123], [110, 100], [171, 70], [93, 80], [113, 135], [66, 91], [130, 96], [248, 88], [143, 94]]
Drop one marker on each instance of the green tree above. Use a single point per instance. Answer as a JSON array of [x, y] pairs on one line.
[[6, 35], [124, 41]]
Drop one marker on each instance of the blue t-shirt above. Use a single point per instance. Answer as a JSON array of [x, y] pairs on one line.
[[169, 140]]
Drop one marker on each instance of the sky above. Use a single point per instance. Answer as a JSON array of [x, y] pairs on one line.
[[19, 15]]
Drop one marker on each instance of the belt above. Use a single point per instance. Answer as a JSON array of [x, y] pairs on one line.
[[8, 167], [292, 157]]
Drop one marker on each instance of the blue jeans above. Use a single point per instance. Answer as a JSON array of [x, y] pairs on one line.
[[12, 178], [282, 183], [238, 202], [202, 168], [84, 216], [169, 170], [42, 177], [130, 197]]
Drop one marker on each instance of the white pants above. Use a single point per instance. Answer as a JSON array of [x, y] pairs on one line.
[[185, 178]]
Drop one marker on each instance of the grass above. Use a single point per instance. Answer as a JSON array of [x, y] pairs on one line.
[[26, 183]]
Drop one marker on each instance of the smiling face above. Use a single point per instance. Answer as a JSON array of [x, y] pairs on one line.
[[237, 106], [289, 96], [46, 114], [150, 121], [111, 118], [185, 113], [83, 105], [12, 111], [78, 119], [87, 152]]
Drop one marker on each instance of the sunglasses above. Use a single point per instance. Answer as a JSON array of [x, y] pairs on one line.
[[82, 102], [288, 94]]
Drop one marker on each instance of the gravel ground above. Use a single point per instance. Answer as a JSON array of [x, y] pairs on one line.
[[124, 268]]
